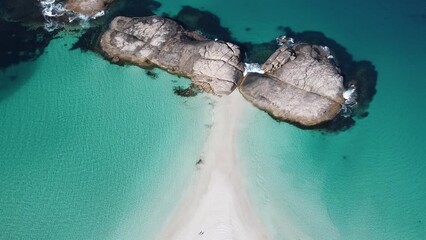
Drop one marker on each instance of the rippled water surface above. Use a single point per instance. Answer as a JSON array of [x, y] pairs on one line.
[[90, 150]]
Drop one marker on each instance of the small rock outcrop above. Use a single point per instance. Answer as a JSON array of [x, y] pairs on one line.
[[87, 7], [300, 84], [214, 66]]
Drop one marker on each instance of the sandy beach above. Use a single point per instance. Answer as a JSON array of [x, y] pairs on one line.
[[216, 205]]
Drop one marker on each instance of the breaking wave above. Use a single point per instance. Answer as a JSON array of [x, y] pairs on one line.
[[252, 67], [350, 96], [53, 11], [327, 51], [50, 11]]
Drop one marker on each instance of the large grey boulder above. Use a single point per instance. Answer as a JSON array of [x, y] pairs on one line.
[[299, 85], [215, 66], [87, 7]]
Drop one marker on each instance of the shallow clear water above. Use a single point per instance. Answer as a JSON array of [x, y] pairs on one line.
[[365, 183], [104, 151], [91, 150]]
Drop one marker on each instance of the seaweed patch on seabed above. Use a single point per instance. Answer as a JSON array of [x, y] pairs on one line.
[[151, 74], [190, 91], [361, 74]]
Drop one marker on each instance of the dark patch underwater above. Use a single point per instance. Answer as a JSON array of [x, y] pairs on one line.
[[362, 74], [24, 44], [191, 91], [19, 43], [198, 20]]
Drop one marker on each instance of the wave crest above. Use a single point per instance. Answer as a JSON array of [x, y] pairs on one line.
[[52, 11], [252, 67], [350, 96]]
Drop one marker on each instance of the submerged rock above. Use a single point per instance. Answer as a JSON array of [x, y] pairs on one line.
[[88, 7], [300, 84], [214, 66]]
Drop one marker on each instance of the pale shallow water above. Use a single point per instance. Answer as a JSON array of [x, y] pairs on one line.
[[104, 152], [91, 150], [370, 181]]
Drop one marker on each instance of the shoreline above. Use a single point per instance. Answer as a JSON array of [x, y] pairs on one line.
[[216, 204]]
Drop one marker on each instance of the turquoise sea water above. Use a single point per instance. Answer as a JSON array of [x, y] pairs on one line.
[[91, 150], [104, 151], [365, 183]]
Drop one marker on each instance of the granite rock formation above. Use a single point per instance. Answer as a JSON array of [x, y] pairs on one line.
[[300, 84], [214, 66], [87, 7]]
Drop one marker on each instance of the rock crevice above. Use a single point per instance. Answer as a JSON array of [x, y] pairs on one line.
[[299, 84], [215, 66]]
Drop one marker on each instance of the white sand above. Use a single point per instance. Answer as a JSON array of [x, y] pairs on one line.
[[217, 207]]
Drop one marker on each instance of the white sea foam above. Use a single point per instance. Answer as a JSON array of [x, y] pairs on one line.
[[327, 50], [51, 10], [98, 14], [252, 67], [284, 40], [350, 96]]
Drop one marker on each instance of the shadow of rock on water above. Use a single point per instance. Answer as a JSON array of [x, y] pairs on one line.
[[23, 39], [209, 25], [132, 8], [89, 39], [198, 20], [361, 74], [13, 77], [18, 44], [258, 52], [27, 11]]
